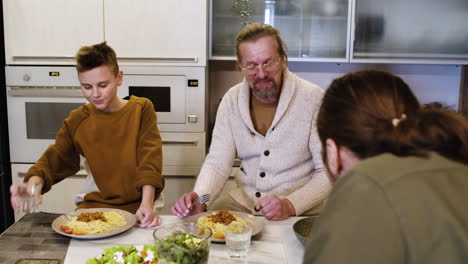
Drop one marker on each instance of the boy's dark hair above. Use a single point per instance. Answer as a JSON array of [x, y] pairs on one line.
[[373, 112], [90, 57]]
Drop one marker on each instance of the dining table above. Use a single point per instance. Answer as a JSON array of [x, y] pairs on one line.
[[31, 240]]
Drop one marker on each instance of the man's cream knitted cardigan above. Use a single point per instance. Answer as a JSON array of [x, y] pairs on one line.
[[286, 162]]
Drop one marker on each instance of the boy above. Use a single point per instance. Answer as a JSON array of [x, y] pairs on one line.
[[119, 139]]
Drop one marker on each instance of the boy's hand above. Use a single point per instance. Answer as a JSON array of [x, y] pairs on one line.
[[16, 191], [25, 190], [147, 217]]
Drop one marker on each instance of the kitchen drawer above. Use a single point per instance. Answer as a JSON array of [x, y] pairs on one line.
[[183, 153]]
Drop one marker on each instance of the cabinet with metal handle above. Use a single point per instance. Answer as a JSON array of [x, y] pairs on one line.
[[144, 32]]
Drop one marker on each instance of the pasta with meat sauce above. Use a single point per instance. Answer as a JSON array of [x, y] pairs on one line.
[[218, 220], [91, 223]]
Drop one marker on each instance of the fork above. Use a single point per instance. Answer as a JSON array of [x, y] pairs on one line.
[[204, 198], [69, 216], [60, 213]]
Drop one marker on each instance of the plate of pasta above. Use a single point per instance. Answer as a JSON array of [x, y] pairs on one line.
[[217, 220], [94, 223]]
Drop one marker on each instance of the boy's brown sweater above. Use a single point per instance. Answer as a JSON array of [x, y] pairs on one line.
[[123, 150]]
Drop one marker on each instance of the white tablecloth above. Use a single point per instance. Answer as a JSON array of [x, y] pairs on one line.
[[276, 243]]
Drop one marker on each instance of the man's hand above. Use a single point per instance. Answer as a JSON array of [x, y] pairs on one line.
[[188, 205], [147, 217], [276, 209]]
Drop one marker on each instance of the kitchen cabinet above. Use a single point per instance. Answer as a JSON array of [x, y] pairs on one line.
[[157, 31], [183, 153], [411, 31], [154, 32], [313, 30], [50, 31], [374, 31]]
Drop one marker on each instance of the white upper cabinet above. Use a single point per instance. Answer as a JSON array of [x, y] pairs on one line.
[[153, 32], [50, 31], [167, 32]]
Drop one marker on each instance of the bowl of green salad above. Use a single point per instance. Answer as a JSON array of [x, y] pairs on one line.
[[184, 243]]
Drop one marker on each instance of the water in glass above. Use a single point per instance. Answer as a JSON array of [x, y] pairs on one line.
[[238, 241], [30, 201]]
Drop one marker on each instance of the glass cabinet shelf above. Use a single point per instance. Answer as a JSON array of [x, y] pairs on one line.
[[373, 31], [410, 31], [313, 30]]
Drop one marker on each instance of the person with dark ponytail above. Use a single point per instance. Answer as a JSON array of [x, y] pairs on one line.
[[399, 172]]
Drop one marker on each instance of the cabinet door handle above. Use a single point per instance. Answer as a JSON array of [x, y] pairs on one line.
[[23, 92], [158, 59], [43, 57], [23, 174], [180, 142], [155, 59]]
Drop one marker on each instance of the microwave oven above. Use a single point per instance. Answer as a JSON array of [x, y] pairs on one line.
[[39, 98], [178, 94]]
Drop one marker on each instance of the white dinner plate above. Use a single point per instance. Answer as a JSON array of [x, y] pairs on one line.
[[130, 220], [256, 223]]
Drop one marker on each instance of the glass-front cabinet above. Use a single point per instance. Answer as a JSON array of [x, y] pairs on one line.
[[430, 31], [375, 31], [313, 30]]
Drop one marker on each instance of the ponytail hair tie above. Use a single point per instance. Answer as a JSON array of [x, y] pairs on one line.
[[396, 121]]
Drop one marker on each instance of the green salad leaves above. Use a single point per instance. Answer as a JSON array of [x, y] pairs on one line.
[[126, 254], [183, 248], [180, 248]]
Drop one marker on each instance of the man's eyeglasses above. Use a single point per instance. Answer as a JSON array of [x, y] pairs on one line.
[[252, 69]]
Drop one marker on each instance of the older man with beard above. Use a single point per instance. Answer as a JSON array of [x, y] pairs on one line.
[[268, 120]]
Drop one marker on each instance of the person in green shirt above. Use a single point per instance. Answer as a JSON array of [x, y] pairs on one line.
[[118, 137], [399, 174]]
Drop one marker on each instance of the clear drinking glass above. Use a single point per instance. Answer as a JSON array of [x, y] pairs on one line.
[[29, 202], [238, 240]]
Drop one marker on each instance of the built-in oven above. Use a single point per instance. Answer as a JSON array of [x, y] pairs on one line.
[[40, 97]]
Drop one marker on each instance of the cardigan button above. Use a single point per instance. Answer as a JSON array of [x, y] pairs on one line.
[[262, 174], [266, 153], [258, 194], [256, 210]]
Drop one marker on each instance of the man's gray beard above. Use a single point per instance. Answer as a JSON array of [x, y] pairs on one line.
[[265, 94]]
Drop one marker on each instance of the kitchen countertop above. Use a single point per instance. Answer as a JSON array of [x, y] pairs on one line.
[[33, 238]]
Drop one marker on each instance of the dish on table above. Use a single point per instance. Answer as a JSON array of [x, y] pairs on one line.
[[187, 243], [254, 222], [303, 227], [141, 254], [129, 221]]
